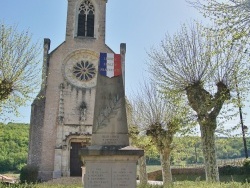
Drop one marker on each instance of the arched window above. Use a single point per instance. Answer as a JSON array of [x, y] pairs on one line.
[[86, 19]]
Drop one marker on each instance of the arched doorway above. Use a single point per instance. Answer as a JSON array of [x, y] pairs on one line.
[[74, 164], [75, 161]]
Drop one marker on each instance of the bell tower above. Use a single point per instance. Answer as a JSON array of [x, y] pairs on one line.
[[86, 19], [62, 114]]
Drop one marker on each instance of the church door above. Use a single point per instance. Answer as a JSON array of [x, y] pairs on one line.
[[75, 161]]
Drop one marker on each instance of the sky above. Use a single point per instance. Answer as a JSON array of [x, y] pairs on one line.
[[141, 24]]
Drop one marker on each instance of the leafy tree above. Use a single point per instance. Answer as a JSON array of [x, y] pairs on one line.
[[161, 119], [13, 146], [231, 15], [19, 67], [203, 67]]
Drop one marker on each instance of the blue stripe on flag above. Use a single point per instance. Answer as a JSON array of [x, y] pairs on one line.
[[103, 64]]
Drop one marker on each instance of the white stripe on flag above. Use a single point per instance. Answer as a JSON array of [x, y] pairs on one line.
[[110, 65]]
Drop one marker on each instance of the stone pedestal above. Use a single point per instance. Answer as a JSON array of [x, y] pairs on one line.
[[110, 166]]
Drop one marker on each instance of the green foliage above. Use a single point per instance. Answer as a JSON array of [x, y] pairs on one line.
[[149, 186], [29, 174], [231, 16], [14, 148], [246, 166], [14, 140], [19, 69], [231, 170], [189, 149], [153, 161]]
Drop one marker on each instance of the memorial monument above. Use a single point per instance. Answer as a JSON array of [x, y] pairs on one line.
[[110, 161]]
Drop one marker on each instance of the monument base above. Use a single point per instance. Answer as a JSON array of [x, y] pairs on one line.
[[110, 166]]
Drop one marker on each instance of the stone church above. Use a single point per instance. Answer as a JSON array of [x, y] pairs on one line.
[[62, 114]]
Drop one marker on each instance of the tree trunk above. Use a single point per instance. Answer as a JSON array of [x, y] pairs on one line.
[[166, 168], [143, 176], [207, 128]]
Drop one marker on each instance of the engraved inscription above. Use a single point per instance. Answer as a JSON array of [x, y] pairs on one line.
[[110, 175], [110, 139], [122, 177], [97, 177]]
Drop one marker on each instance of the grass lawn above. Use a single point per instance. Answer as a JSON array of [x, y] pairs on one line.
[[184, 177], [180, 181], [224, 178], [183, 184]]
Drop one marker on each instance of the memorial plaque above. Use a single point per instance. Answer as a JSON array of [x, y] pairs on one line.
[[110, 175], [110, 139], [124, 175], [98, 175]]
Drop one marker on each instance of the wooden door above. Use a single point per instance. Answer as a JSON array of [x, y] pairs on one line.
[[75, 161]]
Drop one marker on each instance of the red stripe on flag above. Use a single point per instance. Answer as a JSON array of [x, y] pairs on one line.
[[117, 65]]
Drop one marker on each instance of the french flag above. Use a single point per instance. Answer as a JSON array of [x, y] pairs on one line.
[[110, 64]]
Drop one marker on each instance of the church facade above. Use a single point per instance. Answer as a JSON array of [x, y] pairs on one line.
[[62, 114]]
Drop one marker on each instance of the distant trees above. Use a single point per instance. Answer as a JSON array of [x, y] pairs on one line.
[[203, 67], [188, 149], [19, 68], [14, 140]]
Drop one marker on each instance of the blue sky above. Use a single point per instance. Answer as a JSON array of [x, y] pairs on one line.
[[138, 23]]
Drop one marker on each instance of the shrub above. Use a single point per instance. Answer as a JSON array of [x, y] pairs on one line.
[[20, 166], [29, 174], [230, 170], [246, 165]]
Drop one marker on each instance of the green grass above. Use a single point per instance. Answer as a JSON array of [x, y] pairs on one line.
[[152, 168], [188, 184], [180, 181], [223, 179]]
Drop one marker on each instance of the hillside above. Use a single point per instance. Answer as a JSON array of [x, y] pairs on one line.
[[14, 140]]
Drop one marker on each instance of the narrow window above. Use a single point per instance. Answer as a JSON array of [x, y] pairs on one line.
[[86, 19]]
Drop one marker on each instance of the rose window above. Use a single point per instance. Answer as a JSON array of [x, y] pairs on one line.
[[84, 71]]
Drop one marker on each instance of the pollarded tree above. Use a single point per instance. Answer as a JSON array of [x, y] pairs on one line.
[[161, 118], [19, 68], [232, 16], [203, 66]]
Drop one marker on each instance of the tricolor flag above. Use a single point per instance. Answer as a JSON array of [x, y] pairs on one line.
[[110, 64]]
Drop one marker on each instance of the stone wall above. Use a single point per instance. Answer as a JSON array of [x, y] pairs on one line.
[[157, 175]]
